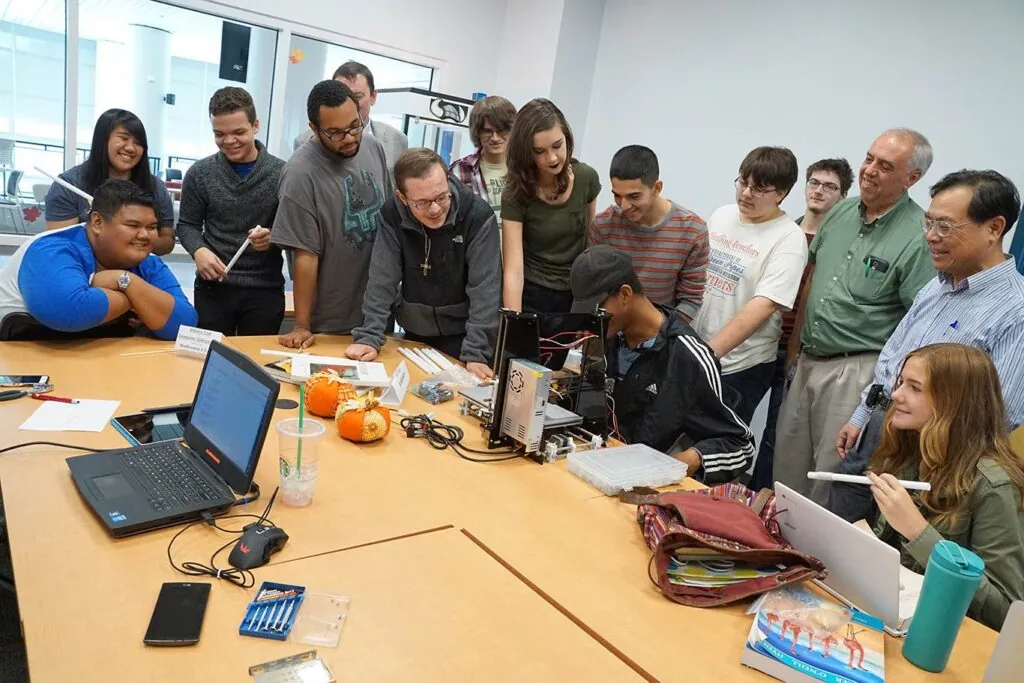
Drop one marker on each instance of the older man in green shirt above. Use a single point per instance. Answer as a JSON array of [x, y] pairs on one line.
[[869, 259]]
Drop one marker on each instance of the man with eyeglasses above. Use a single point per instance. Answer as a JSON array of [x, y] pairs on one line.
[[828, 181], [757, 256], [330, 194], [869, 260], [483, 171], [437, 264], [977, 299]]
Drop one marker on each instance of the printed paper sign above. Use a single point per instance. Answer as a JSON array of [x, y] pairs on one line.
[[395, 393], [195, 341]]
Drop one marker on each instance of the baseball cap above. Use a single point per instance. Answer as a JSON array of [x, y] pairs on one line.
[[597, 272]]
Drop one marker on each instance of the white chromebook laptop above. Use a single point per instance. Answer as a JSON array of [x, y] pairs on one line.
[[863, 571]]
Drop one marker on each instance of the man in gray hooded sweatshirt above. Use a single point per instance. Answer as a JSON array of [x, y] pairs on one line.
[[437, 264]]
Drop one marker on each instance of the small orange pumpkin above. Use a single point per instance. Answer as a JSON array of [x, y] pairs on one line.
[[363, 420], [324, 391]]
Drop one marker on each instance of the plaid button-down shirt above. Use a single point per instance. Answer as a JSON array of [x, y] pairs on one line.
[[467, 170]]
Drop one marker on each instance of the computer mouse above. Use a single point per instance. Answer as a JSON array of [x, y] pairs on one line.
[[257, 544]]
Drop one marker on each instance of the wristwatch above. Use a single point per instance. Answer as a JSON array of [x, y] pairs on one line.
[[124, 280]]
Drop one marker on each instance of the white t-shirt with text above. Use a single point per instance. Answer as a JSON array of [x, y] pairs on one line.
[[747, 260]]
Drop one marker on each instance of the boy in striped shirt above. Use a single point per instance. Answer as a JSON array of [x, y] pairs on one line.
[[668, 243]]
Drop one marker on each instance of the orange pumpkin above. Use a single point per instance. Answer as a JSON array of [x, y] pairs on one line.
[[324, 391], [363, 420]]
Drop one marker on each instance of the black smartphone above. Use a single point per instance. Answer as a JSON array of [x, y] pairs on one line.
[[178, 616]]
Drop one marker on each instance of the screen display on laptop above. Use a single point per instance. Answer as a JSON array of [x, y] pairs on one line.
[[229, 409]]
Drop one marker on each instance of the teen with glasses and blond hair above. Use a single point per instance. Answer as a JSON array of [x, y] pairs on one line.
[[946, 425], [436, 264], [483, 171], [547, 208]]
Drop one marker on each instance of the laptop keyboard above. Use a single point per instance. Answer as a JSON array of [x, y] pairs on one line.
[[169, 477]]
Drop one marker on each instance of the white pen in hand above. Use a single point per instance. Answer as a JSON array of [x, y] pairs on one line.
[[858, 479]]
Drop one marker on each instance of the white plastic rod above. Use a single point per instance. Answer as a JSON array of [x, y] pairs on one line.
[[66, 185], [414, 359], [857, 479], [238, 255]]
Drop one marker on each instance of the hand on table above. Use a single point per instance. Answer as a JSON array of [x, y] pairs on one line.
[[209, 265], [259, 237], [479, 370], [895, 503], [691, 456], [299, 338], [361, 352], [847, 439]]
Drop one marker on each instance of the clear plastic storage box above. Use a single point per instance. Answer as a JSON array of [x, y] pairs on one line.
[[623, 468]]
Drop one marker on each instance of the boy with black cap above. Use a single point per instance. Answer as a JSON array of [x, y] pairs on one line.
[[667, 383]]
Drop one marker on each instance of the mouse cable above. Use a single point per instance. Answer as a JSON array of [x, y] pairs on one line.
[[240, 577], [53, 443], [441, 436]]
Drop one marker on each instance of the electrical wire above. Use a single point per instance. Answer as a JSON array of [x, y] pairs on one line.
[[52, 443], [240, 577], [441, 436]]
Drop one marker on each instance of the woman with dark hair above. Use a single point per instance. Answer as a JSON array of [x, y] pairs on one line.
[[946, 425], [547, 207], [119, 150]]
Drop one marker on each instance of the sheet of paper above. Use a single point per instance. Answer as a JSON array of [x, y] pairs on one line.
[[88, 415]]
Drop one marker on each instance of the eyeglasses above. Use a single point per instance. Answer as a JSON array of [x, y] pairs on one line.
[[339, 135], [941, 228], [742, 185], [442, 200], [491, 133], [814, 184]]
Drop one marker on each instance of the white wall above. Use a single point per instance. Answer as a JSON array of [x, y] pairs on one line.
[[528, 45], [578, 44], [459, 33], [703, 82]]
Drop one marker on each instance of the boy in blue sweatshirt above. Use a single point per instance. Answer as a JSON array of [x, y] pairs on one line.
[[88, 277]]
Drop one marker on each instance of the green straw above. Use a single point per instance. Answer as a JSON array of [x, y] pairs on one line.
[[302, 406]]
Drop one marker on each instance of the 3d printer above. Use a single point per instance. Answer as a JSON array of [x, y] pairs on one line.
[[549, 396]]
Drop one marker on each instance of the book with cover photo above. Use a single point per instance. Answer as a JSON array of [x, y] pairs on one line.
[[801, 635]]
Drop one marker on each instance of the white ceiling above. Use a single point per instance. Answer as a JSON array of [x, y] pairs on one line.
[[194, 35]]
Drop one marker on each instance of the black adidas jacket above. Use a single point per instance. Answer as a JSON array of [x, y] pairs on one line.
[[672, 396]]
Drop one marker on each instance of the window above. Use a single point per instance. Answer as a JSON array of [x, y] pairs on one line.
[[32, 47], [312, 61], [164, 63]]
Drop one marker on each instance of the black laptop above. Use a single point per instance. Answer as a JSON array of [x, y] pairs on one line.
[[162, 484]]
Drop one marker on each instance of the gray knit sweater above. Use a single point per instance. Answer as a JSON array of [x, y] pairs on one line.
[[218, 208]]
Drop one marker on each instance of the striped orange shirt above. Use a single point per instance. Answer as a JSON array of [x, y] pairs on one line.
[[670, 258]]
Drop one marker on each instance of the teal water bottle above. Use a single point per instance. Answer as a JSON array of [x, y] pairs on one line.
[[950, 582]]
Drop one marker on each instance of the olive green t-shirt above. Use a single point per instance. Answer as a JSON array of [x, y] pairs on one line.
[[555, 234]]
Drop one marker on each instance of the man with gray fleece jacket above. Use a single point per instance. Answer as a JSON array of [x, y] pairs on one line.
[[437, 264], [227, 198]]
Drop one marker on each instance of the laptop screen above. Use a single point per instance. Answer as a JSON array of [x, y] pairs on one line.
[[230, 408]]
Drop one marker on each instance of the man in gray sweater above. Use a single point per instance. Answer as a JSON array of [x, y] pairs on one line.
[[227, 198], [437, 263]]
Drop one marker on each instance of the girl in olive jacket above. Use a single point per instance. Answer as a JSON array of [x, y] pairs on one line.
[[946, 426]]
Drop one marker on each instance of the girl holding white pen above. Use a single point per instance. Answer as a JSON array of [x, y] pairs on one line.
[[946, 427]]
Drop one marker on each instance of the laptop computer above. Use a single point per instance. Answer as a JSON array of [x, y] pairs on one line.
[[161, 484], [863, 570], [1007, 661]]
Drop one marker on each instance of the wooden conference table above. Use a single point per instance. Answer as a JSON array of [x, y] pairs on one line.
[[458, 571]]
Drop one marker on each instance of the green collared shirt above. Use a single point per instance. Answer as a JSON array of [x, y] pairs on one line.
[[853, 307], [992, 525]]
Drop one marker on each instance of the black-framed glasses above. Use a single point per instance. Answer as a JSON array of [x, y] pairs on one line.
[[339, 135], [742, 185], [442, 200], [814, 184], [486, 133]]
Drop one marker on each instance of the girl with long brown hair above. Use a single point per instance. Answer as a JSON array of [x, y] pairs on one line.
[[947, 426], [547, 207]]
